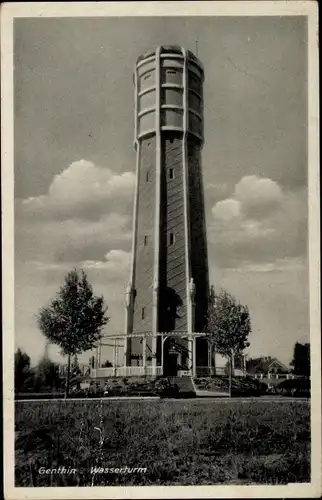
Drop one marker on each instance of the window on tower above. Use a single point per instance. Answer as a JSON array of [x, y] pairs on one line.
[[171, 173], [143, 313], [171, 238], [145, 241], [147, 177]]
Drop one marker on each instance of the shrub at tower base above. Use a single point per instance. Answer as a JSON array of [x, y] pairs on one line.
[[75, 318]]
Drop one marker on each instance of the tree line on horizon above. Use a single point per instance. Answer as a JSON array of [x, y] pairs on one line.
[[75, 319], [45, 376]]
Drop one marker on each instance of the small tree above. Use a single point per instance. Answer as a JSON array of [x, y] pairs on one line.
[[301, 359], [47, 374], [229, 326], [75, 318], [22, 369]]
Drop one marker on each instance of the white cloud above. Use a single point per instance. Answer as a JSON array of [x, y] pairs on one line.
[[258, 223], [253, 187], [291, 264], [253, 199], [86, 212], [255, 229], [71, 240], [82, 188], [49, 266], [115, 262], [258, 196], [226, 210]]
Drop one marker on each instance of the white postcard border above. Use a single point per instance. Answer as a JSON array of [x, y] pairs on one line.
[[10, 11]]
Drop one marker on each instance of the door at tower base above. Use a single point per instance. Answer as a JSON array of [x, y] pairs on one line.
[[170, 363]]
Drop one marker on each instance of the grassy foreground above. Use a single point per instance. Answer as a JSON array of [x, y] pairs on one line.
[[179, 442]]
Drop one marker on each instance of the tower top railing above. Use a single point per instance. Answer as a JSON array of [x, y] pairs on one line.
[[169, 50], [175, 333]]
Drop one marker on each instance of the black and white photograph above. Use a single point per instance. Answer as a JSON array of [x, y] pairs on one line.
[[161, 250]]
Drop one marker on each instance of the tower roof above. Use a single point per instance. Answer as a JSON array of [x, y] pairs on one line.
[[172, 49]]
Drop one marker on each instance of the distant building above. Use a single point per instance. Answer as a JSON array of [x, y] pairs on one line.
[[266, 365], [268, 370]]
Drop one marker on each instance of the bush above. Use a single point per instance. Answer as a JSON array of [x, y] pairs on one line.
[[241, 386], [294, 387], [166, 389]]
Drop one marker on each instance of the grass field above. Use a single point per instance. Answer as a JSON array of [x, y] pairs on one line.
[[181, 442]]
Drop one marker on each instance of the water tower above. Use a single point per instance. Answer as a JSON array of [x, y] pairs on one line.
[[168, 286]]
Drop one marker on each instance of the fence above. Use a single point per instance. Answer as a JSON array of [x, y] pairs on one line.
[[204, 371], [126, 371], [276, 376]]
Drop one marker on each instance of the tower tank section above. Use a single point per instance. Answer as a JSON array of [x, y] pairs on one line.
[[169, 93]]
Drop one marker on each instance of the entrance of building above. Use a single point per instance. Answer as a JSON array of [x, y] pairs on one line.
[[170, 358], [171, 365]]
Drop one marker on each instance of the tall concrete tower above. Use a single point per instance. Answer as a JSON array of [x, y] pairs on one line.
[[168, 287]]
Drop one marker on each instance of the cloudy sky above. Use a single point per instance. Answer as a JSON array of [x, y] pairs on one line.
[[74, 163]]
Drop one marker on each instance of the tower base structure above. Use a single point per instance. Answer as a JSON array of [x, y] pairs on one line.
[[178, 354]]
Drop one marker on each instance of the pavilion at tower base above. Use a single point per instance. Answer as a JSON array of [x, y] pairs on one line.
[[180, 354]]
